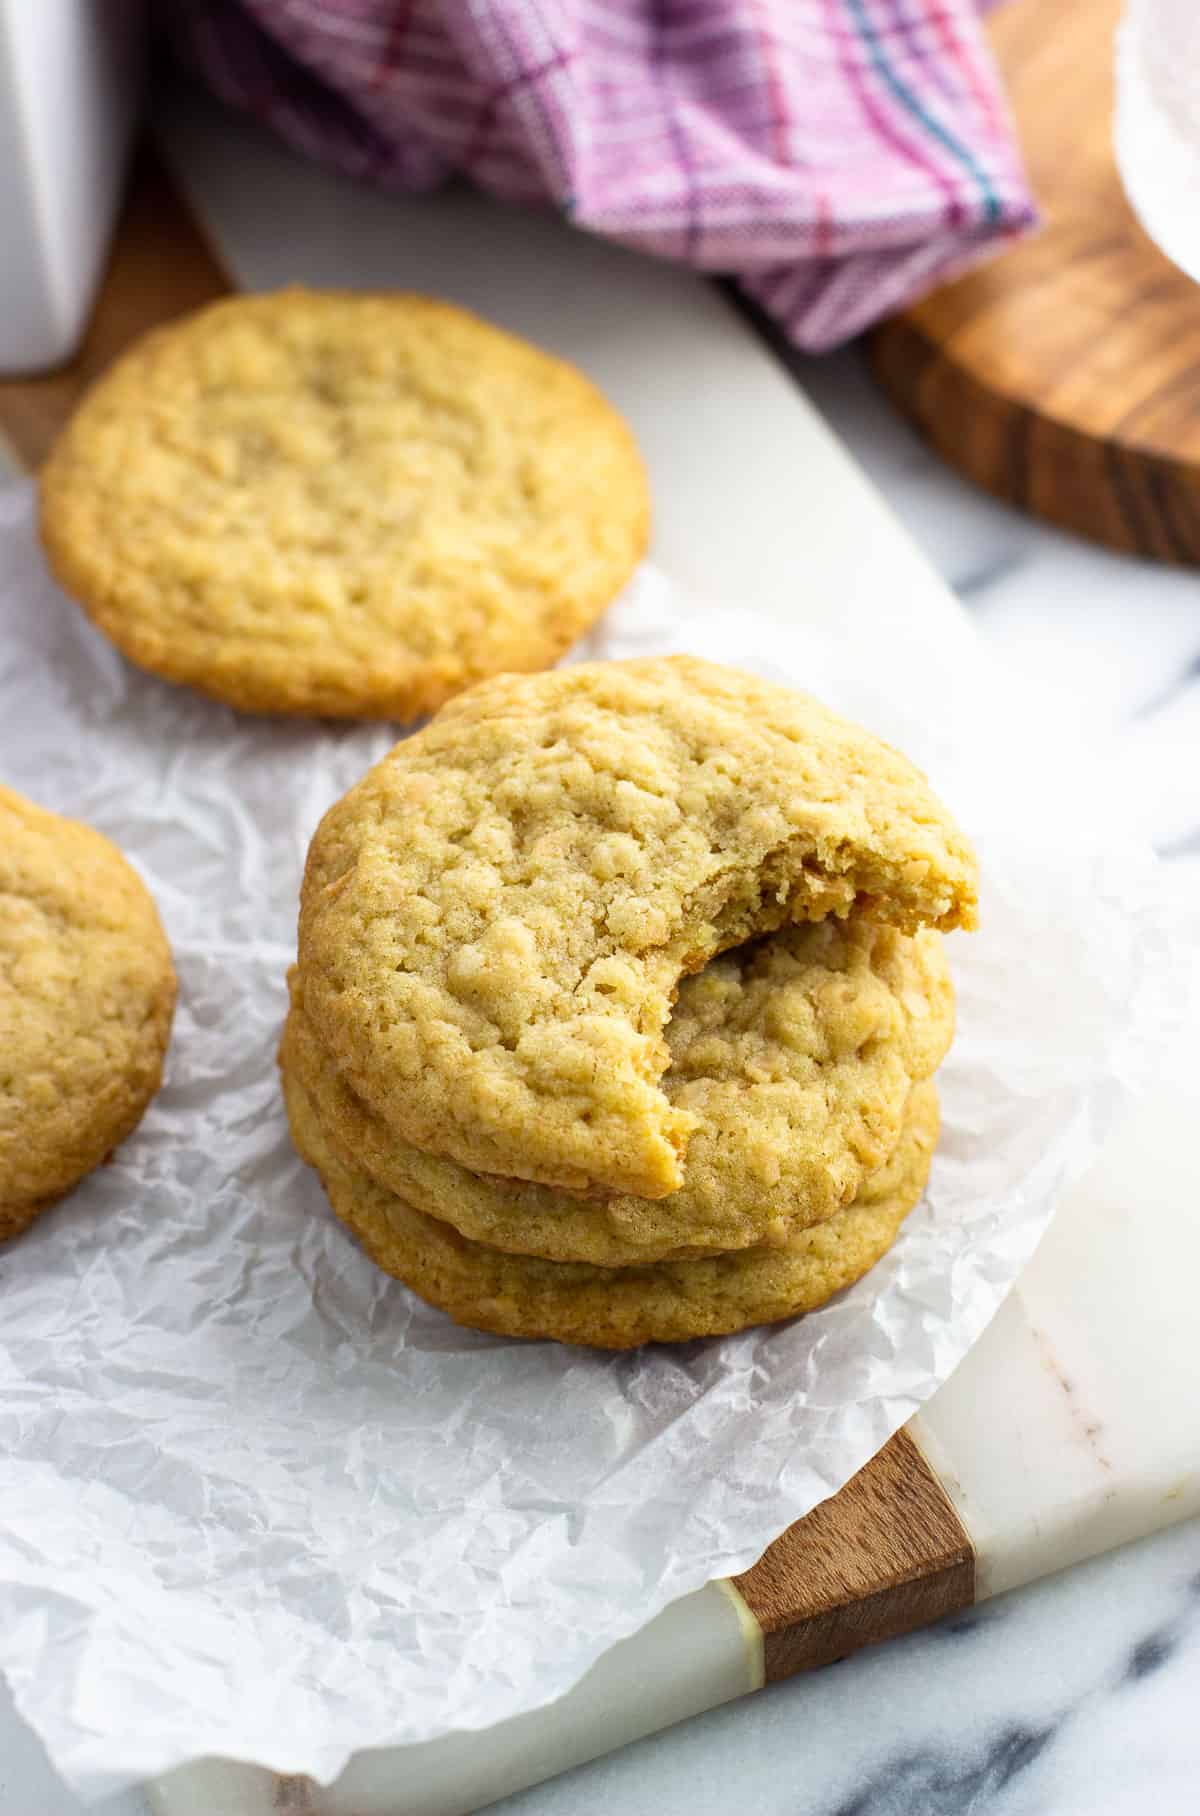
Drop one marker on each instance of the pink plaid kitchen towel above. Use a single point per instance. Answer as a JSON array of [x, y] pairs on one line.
[[838, 157]]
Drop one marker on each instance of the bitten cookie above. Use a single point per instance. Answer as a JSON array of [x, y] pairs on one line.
[[494, 923], [319, 502], [796, 1055], [618, 1308], [87, 992]]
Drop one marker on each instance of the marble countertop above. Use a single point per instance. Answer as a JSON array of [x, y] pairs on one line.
[[1079, 1695]]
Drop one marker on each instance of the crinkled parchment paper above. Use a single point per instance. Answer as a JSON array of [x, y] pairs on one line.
[[256, 1499]]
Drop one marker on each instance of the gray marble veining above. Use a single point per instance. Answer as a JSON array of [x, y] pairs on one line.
[[1078, 1697]]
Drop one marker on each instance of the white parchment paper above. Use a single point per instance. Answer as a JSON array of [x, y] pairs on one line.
[[257, 1500]]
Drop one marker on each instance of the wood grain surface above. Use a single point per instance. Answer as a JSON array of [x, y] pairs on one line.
[[1065, 376], [886, 1554]]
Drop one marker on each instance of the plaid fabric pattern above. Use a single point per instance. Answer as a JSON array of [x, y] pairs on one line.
[[838, 157]]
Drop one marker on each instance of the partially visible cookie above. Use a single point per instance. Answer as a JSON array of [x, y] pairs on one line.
[[87, 992], [618, 1308], [495, 921], [796, 1055], [343, 504]]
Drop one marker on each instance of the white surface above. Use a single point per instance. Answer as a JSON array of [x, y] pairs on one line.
[[69, 78], [1079, 1696], [697, 1654], [1073, 1426]]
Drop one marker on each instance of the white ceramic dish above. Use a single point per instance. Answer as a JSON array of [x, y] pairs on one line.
[[69, 84]]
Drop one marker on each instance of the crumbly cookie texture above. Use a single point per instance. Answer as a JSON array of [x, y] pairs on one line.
[[343, 504], [495, 921], [618, 1308], [87, 991], [796, 1055]]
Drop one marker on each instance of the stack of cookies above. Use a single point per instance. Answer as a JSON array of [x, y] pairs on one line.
[[619, 997]]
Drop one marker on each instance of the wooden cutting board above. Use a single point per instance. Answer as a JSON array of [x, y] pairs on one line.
[[1003, 1476], [1065, 376]]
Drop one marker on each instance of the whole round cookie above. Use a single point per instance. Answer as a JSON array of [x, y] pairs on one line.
[[618, 1308], [319, 502], [795, 1054], [87, 992], [495, 921]]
